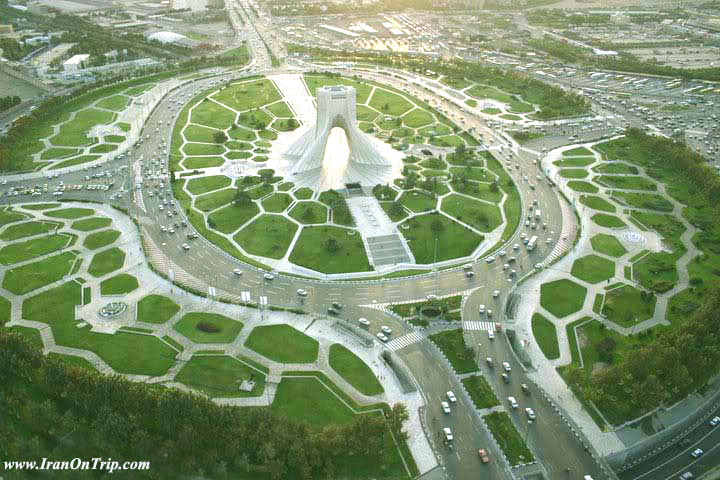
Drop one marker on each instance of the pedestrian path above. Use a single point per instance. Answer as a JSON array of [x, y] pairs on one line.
[[483, 326], [404, 341]]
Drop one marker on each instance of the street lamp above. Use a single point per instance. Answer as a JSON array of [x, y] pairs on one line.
[[527, 431]]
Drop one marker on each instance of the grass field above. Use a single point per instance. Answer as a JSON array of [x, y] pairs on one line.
[[27, 229], [277, 202], [627, 305], [330, 249], [562, 297], [198, 186], [156, 309], [228, 219], [70, 213], [214, 200], [106, 261], [583, 187], [616, 168], [627, 182], [309, 212], [609, 221], [267, 236], [418, 201], [75, 132], [119, 285], [201, 327], [101, 239], [248, 95], [31, 276], [453, 240], [480, 392], [220, 376], [574, 161], [648, 201], [546, 336], [573, 173], [485, 91], [90, 224], [458, 353], [593, 269], [389, 103], [608, 245], [354, 370], [597, 203], [479, 215], [283, 344], [508, 438], [579, 151], [362, 90], [211, 114], [35, 247]]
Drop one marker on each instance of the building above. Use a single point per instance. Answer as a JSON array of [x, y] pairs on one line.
[[75, 62], [5, 29], [193, 5]]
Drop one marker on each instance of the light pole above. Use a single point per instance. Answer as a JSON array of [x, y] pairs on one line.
[[527, 431]]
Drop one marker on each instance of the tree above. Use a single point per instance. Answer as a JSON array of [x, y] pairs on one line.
[[331, 245], [494, 188], [220, 137], [242, 198], [437, 225], [308, 215], [396, 419], [396, 209]]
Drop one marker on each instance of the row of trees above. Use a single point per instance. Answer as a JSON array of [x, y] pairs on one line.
[[9, 101], [52, 410]]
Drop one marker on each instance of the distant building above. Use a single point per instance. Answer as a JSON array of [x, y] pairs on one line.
[[4, 29], [193, 5], [75, 62]]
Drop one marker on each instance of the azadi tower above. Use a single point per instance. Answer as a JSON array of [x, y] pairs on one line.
[[366, 165]]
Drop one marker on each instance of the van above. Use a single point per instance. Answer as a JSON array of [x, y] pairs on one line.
[[513, 403]]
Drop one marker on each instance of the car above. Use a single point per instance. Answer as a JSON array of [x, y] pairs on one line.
[[525, 388], [505, 266], [467, 266], [502, 253], [715, 421], [484, 458], [490, 259], [489, 313], [505, 377], [491, 334], [302, 292], [269, 276], [337, 305], [513, 403], [448, 434], [386, 330], [530, 413], [469, 274], [171, 230], [332, 311], [185, 246], [506, 366], [364, 322], [538, 266], [445, 407], [516, 246], [163, 228], [489, 362], [686, 476], [697, 453], [451, 397], [496, 293], [160, 207], [380, 335], [237, 272]]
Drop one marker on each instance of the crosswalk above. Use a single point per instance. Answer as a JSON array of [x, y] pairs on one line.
[[404, 341], [484, 326]]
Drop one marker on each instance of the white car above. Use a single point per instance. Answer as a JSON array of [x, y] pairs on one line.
[[364, 322], [172, 230], [491, 335], [490, 259], [386, 330], [513, 403], [382, 337], [445, 407], [502, 253], [697, 453], [302, 292], [516, 246], [715, 421], [451, 397], [163, 228], [506, 366], [185, 246], [530, 413], [448, 434], [268, 276], [237, 271], [496, 293], [481, 309]]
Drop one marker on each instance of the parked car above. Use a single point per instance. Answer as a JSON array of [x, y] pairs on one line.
[[506, 366], [715, 421], [386, 330], [513, 403], [697, 453], [451, 397], [445, 407], [505, 377], [530, 413], [448, 434]]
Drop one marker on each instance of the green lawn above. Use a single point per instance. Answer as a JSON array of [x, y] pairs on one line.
[[418, 201], [583, 187], [485, 91], [70, 213], [229, 219], [101, 239], [627, 305], [198, 186], [31, 276], [119, 285], [267, 236], [277, 202], [306, 400], [156, 309], [280, 109], [283, 344], [460, 355], [309, 212], [657, 271], [201, 327], [350, 367], [608, 244], [217, 199], [106, 261], [649, 201], [616, 168], [510, 441], [546, 336], [124, 352], [90, 224], [220, 376], [573, 173], [196, 133], [37, 206], [389, 103], [210, 114], [417, 118], [453, 239], [577, 151], [597, 203], [627, 182], [75, 132], [8, 216], [202, 162], [480, 392], [4, 310], [330, 249], [609, 221], [203, 149], [593, 269], [29, 249], [574, 161], [248, 95], [479, 215], [26, 229], [115, 103], [562, 297]]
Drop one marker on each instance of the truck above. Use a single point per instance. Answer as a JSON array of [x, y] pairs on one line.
[[531, 243]]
